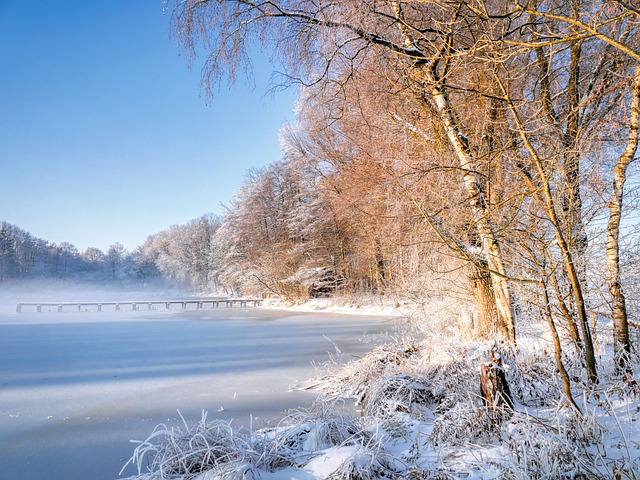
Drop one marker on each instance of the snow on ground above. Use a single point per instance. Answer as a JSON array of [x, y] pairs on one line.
[[421, 418], [426, 423], [348, 306]]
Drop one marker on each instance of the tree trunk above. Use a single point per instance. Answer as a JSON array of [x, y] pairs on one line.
[[547, 199], [621, 343], [557, 346], [480, 281], [480, 211]]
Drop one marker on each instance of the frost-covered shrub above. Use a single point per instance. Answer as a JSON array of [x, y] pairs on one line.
[[364, 463], [539, 448], [306, 440], [448, 371], [356, 378], [328, 441], [303, 434], [532, 377], [464, 423], [452, 382], [397, 393], [184, 452]]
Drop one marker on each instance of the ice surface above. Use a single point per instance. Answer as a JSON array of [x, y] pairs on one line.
[[75, 388]]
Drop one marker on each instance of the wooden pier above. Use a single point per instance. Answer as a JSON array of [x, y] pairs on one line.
[[133, 306]]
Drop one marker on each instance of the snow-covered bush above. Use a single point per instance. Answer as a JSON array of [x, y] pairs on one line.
[[532, 376], [537, 446], [186, 451], [354, 463], [303, 433], [354, 379], [463, 423], [433, 371], [325, 441], [397, 393]]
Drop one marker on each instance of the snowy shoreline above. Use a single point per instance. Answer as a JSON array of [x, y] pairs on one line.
[[421, 417], [421, 414], [342, 306]]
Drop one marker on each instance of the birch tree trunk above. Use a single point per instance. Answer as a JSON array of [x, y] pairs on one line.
[[621, 343], [480, 211]]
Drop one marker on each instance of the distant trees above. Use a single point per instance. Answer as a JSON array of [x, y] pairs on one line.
[[182, 253], [25, 257], [179, 256]]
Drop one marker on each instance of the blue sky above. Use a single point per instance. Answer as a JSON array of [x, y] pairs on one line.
[[105, 133]]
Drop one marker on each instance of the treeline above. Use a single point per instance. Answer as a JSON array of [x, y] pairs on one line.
[[178, 257], [297, 233], [291, 232], [25, 257]]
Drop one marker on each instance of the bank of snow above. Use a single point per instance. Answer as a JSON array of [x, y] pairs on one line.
[[421, 418], [347, 306]]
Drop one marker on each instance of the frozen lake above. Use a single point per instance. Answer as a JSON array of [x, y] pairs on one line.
[[75, 388]]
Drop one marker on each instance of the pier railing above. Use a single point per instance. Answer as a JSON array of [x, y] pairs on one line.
[[136, 305]]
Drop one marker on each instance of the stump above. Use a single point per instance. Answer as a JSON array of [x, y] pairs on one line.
[[493, 383]]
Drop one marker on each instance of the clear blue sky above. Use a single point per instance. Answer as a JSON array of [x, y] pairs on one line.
[[105, 134]]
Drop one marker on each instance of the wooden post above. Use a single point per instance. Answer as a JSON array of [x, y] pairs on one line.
[[493, 383]]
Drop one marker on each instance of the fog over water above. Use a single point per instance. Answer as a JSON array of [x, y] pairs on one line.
[[76, 387]]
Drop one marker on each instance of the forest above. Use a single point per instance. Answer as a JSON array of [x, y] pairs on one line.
[[483, 148]]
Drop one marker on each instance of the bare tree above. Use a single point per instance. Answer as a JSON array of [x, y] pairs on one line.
[[616, 26], [622, 344], [327, 42]]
